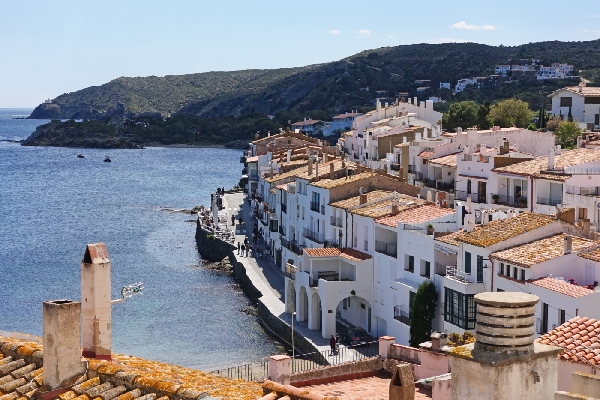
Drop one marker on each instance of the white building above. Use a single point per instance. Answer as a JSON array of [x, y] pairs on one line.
[[308, 126], [462, 84], [341, 122], [583, 101], [502, 69], [445, 85]]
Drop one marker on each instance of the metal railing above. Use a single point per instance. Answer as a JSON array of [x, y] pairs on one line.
[[452, 272], [284, 242], [314, 206], [386, 248], [294, 248], [548, 202], [290, 271], [344, 354], [439, 269], [314, 236], [402, 316], [253, 372]]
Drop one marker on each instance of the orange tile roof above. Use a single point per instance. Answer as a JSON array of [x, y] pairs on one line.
[[562, 287], [500, 230], [425, 154], [450, 238], [252, 159], [346, 204], [416, 215], [580, 337], [331, 183], [590, 254], [538, 167], [448, 161], [350, 254], [538, 251], [586, 91]]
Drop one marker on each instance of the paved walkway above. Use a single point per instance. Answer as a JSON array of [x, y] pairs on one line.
[[269, 279]]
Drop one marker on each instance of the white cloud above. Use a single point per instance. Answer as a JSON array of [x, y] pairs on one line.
[[334, 32], [464, 25], [364, 32]]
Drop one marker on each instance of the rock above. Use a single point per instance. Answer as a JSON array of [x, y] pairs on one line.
[[224, 265], [250, 310]]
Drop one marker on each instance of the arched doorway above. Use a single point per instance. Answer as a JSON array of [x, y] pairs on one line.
[[316, 311], [302, 311]]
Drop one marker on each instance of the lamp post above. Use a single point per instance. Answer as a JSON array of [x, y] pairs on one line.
[[293, 348]]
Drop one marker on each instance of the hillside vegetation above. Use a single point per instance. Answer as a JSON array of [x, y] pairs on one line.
[[331, 87]]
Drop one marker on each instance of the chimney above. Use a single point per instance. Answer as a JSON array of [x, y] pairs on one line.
[[331, 171], [268, 133], [96, 302], [310, 165], [395, 209], [363, 198], [62, 345], [438, 340], [579, 142], [256, 136], [289, 155], [585, 227], [568, 244], [551, 160]]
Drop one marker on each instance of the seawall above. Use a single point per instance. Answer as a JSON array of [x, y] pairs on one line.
[[210, 248]]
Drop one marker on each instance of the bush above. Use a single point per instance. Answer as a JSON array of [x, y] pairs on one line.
[[511, 112]]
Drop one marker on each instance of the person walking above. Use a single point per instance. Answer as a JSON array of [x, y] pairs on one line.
[[332, 345], [243, 248], [232, 220], [238, 248], [247, 250]]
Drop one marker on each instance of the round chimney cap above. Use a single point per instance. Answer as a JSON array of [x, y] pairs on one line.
[[506, 299]]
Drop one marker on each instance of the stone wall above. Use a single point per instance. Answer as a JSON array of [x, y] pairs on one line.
[[209, 247], [336, 373]]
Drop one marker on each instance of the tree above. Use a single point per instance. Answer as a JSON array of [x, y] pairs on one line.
[[461, 114], [511, 112], [566, 134], [570, 115], [422, 313], [483, 116]]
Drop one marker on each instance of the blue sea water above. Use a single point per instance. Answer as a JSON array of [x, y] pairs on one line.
[[52, 204]]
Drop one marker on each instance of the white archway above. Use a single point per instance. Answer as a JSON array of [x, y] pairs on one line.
[[316, 312], [302, 304]]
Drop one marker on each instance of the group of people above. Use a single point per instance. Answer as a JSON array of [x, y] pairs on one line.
[[334, 344]]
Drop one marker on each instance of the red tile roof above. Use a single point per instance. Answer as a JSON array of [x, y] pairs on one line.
[[425, 154], [562, 287], [416, 215], [580, 337], [350, 254]]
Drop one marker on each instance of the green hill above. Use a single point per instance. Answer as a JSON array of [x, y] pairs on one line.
[[334, 86]]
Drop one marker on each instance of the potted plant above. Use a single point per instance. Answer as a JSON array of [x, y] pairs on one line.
[[430, 229], [495, 198], [523, 202]]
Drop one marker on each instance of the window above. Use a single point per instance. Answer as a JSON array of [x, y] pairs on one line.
[[427, 268], [499, 290], [411, 264], [467, 262], [501, 268], [479, 269], [345, 304], [561, 317], [566, 102], [544, 322], [582, 213], [459, 309], [468, 186], [522, 274], [515, 272], [508, 270]]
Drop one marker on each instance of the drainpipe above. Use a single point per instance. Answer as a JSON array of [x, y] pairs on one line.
[[531, 191]]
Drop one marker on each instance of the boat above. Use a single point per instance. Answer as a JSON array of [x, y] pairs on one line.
[[107, 159], [80, 156]]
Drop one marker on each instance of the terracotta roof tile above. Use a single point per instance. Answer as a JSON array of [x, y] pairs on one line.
[[576, 351], [447, 161], [586, 91], [538, 251], [450, 238], [425, 154], [562, 287], [347, 253], [500, 230], [416, 215], [331, 183], [347, 204], [591, 254]]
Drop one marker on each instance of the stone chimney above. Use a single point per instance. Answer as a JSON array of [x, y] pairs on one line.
[[551, 160], [317, 168], [585, 227], [310, 166], [256, 136], [62, 345], [96, 302], [331, 171], [438, 340], [289, 156], [568, 244], [363, 198]]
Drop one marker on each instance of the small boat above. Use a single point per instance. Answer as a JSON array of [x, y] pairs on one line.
[[107, 159], [80, 156]]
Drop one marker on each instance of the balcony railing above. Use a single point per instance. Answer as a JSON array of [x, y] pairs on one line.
[[284, 208], [395, 167], [285, 243], [281, 230], [290, 271], [294, 248], [314, 236], [314, 206], [439, 269], [509, 200], [452, 272], [583, 191], [402, 316], [548, 202], [385, 248], [335, 221]]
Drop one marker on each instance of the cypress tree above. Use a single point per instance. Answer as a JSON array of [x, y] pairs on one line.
[[422, 313], [570, 116], [540, 119]]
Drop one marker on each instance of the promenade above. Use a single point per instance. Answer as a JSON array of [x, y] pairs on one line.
[[268, 278]]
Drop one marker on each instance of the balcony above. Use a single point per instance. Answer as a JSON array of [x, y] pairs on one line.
[[284, 208], [290, 271], [284, 242], [509, 200], [294, 248], [583, 191], [335, 221], [462, 195], [548, 202], [439, 269], [452, 272], [395, 167], [412, 169], [314, 236], [314, 206], [389, 249], [402, 316]]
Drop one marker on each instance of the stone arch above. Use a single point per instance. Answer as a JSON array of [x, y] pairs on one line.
[[316, 312], [302, 304]]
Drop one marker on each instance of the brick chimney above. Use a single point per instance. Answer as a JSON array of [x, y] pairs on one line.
[[568, 244], [96, 302], [363, 198], [62, 351]]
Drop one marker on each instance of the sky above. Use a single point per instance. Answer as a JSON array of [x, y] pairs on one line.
[[48, 48]]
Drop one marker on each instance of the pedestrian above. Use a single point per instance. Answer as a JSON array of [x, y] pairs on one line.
[[238, 248], [232, 220], [332, 345], [223, 190], [240, 219], [247, 250], [243, 248]]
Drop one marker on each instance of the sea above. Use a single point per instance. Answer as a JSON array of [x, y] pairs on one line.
[[52, 204]]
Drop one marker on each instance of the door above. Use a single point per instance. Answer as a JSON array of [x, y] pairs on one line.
[[481, 190], [479, 269]]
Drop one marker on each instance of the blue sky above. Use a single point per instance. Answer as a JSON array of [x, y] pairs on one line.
[[53, 47]]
